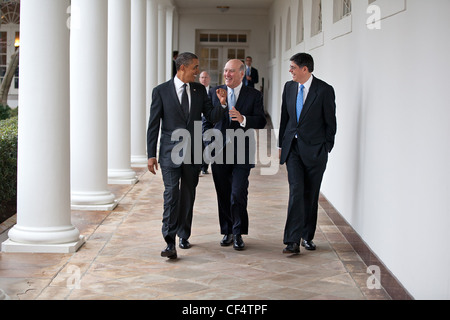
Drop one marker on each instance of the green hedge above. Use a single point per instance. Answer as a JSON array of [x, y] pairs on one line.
[[8, 159]]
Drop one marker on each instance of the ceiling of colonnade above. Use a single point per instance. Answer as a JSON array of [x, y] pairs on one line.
[[232, 4]]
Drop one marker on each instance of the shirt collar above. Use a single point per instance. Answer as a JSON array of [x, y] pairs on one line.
[[307, 84], [178, 83], [237, 90]]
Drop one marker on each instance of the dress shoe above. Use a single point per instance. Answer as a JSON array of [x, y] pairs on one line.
[[170, 251], [184, 243], [308, 244], [292, 248], [238, 242], [227, 240]]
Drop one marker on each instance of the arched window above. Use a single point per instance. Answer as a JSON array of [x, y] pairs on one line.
[[288, 30], [10, 12], [316, 17], [300, 23], [341, 9]]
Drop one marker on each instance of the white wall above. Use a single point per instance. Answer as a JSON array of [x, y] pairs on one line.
[[389, 172]]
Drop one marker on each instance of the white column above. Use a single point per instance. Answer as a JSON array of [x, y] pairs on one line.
[[152, 54], [169, 40], [43, 177], [119, 135], [89, 139], [138, 84], [162, 54]]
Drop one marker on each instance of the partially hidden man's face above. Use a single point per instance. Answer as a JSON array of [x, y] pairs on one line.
[[204, 79]]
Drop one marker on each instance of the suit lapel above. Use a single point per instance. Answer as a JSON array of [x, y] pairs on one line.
[[174, 97], [293, 91], [194, 100], [312, 94], [241, 100]]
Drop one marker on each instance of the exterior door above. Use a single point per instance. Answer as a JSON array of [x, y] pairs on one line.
[[215, 48]]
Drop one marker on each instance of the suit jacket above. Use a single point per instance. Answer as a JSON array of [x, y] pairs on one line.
[[166, 113], [250, 104], [317, 126], [254, 75]]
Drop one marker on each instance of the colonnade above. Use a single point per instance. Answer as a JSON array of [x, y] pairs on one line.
[[87, 68]]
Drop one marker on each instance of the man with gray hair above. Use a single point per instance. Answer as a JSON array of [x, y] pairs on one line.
[[231, 169]]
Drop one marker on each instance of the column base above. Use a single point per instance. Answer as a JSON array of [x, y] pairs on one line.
[[17, 247], [96, 201], [94, 207], [139, 161], [122, 177]]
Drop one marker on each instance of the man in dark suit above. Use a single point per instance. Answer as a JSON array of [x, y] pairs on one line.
[[205, 79], [176, 105], [306, 136], [231, 167], [251, 76]]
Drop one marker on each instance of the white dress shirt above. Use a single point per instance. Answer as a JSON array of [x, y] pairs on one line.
[[237, 91], [307, 85], [179, 89]]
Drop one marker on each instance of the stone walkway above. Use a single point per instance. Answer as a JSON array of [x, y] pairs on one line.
[[121, 257]]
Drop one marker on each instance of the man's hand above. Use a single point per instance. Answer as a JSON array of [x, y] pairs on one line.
[[152, 165], [222, 95], [236, 115]]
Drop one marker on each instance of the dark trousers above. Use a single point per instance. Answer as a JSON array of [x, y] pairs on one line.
[[231, 182], [179, 196], [304, 188]]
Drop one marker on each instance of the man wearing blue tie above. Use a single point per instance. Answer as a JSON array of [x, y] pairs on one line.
[[307, 134], [231, 169], [251, 74]]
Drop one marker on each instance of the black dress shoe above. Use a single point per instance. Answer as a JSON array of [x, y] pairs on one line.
[[227, 240], [292, 248], [238, 242], [308, 244], [170, 251], [184, 243]]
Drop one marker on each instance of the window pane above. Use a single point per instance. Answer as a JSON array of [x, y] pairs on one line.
[[223, 38], [204, 37], [231, 54], [242, 38], [214, 53], [241, 54], [232, 38], [204, 54], [213, 38]]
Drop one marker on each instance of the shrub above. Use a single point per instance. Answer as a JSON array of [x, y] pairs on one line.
[[5, 112], [8, 159]]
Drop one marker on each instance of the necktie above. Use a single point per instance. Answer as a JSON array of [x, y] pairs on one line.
[[232, 102], [300, 102], [248, 74], [185, 101]]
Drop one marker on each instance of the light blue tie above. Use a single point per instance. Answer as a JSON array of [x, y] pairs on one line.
[[232, 102], [300, 102], [248, 74]]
